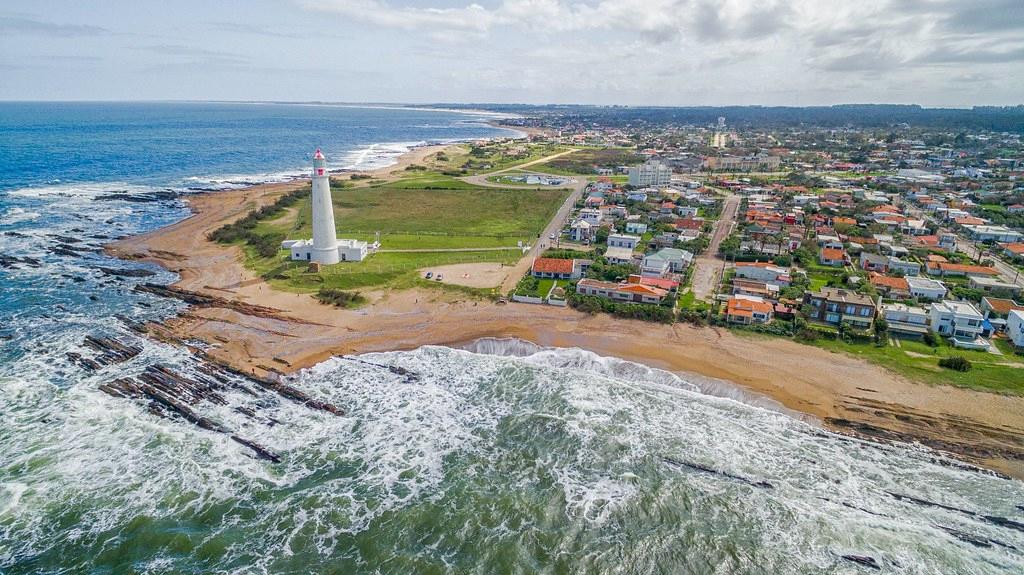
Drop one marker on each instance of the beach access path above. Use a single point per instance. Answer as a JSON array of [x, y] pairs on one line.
[[708, 268]]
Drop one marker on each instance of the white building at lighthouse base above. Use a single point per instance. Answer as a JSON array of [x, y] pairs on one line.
[[348, 250]]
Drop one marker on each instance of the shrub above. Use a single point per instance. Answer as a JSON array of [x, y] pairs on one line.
[[930, 339], [340, 298], [955, 362]]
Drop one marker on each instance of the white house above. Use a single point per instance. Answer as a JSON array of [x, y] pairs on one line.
[[1015, 328], [924, 288], [687, 211], [664, 262], [581, 231], [906, 320], [623, 241], [1000, 234], [958, 320], [906, 267], [591, 215], [636, 228], [767, 273]]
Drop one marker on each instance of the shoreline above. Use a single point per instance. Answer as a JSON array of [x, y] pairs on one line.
[[844, 393]]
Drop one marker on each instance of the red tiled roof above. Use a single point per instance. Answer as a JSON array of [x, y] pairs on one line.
[[878, 280], [553, 266], [746, 307], [1015, 248], [832, 254], [963, 268]]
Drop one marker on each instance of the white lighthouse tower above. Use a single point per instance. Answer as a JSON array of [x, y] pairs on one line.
[[325, 236], [325, 247]]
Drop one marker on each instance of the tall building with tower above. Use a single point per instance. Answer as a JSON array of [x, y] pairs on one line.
[[325, 248]]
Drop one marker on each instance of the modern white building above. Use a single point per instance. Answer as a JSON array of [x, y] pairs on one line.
[[906, 320], [763, 272], [623, 241], [958, 320], [636, 228], [581, 231], [924, 288], [592, 216], [650, 173], [1015, 328], [325, 247], [1000, 234]]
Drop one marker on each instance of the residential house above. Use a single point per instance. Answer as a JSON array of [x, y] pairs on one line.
[[832, 257], [755, 288], [994, 286], [636, 228], [623, 241], [1015, 328], [1014, 251], [1001, 234], [905, 320], [874, 262], [958, 320], [666, 261], [998, 307], [944, 269], [924, 288], [747, 310], [591, 215], [556, 269], [581, 231], [687, 211], [836, 305], [765, 272], [1015, 209], [904, 267], [895, 288], [621, 292]]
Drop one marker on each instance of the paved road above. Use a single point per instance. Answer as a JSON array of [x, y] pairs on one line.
[[707, 268], [481, 179]]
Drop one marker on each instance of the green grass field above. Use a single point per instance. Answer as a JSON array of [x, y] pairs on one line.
[[436, 219], [475, 219], [920, 362]]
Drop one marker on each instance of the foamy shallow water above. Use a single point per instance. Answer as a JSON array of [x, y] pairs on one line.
[[555, 461]]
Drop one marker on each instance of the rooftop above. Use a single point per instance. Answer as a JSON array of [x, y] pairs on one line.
[[553, 266]]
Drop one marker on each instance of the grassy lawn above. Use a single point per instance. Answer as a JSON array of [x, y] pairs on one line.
[[394, 270], [990, 372], [440, 219], [432, 219]]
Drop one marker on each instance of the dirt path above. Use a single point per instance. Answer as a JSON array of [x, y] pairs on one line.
[[708, 268]]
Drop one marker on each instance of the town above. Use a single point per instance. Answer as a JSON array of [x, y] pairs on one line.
[[881, 238]]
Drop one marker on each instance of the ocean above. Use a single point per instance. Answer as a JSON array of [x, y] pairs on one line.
[[502, 457]]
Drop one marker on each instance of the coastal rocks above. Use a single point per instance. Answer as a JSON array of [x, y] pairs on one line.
[[703, 468], [140, 198], [15, 262], [202, 300], [863, 560], [130, 273]]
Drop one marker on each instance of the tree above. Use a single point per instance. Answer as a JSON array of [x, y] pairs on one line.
[[881, 331]]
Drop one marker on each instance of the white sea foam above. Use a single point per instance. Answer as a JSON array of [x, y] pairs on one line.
[[496, 449]]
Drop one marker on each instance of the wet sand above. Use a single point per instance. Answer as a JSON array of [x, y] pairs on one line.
[[844, 393]]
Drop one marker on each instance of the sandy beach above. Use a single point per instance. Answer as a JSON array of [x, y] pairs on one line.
[[843, 393]]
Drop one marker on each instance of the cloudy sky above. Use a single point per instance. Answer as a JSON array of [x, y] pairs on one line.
[[657, 52]]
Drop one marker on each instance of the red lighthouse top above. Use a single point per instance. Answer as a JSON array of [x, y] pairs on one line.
[[318, 155]]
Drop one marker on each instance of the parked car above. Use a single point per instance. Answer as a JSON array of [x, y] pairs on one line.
[[430, 275], [439, 277]]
